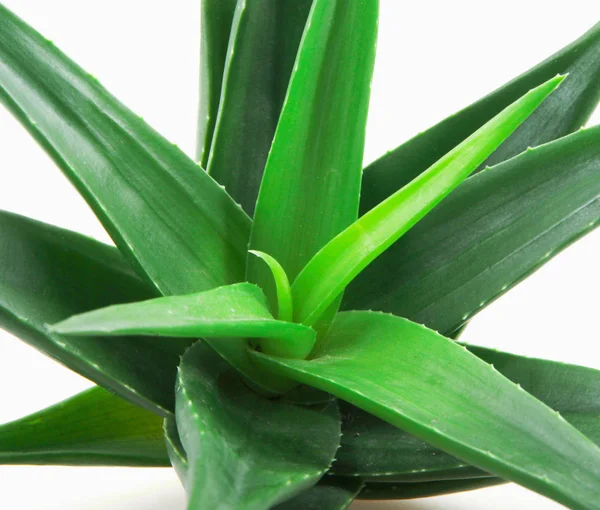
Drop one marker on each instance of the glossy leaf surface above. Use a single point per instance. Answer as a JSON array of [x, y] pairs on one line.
[[564, 112], [327, 274], [244, 450], [48, 274], [238, 310], [261, 54], [372, 448], [489, 234], [173, 222], [216, 18], [331, 493], [436, 390], [93, 428], [311, 185]]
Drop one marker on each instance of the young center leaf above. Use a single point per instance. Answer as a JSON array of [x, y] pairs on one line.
[[489, 234], [244, 450], [326, 275], [435, 389], [564, 112], [311, 184], [48, 274], [93, 428]]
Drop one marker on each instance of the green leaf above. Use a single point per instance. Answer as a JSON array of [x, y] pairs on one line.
[[311, 185], [564, 112], [262, 50], [492, 232], [216, 18], [182, 232], [436, 390], [175, 449], [331, 493], [327, 274], [378, 491], [48, 274], [285, 309], [271, 449], [93, 428], [374, 449], [238, 310]]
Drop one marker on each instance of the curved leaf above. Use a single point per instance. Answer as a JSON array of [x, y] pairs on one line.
[[330, 493], [181, 231], [440, 392], [493, 231], [262, 50], [271, 450], [93, 428], [564, 112], [327, 274], [48, 274]]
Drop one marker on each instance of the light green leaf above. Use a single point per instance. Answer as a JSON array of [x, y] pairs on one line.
[[48, 274], [376, 450], [285, 309], [327, 274], [488, 235], [562, 113], [311, 185], [435, 389], [238, 310], [216, 18], [262, 50], [182, 232], [271, 449], [93, 428]]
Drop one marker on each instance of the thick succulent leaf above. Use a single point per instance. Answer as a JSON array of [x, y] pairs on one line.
[[376, 491], [489, 234], [436, 390], [311, 185], [175, 224], [48, 274], [262, 50], [175, 449], [372, 448], [331, 493], [272, 450], [93, 428], [327, 274], [564, 112], [238, 310], [216, 19]]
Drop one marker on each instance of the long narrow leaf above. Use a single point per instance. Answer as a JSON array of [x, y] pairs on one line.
[[331, 493], [440, 392], [238, 310], [310, 189], [350, 252], [493, 231], [271, 449], [48, 274], [376, 450], [564, 112], [262, 50], [216, 19], [93, 428], [182, 232]]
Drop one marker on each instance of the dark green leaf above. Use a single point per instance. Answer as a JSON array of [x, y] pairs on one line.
[[489, 234], [262, 50], [244, 449], [311, 185], [327, 274], [331, 493], [238, 310], [175, 449], [435, 389], [48, 274], [216, 18], [174, 223], [566, 111], [93, 428]]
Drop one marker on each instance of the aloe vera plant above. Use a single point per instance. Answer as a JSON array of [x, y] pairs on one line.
[[278, 323]]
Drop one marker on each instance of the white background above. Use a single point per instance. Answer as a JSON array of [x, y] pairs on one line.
[[433, 58]]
